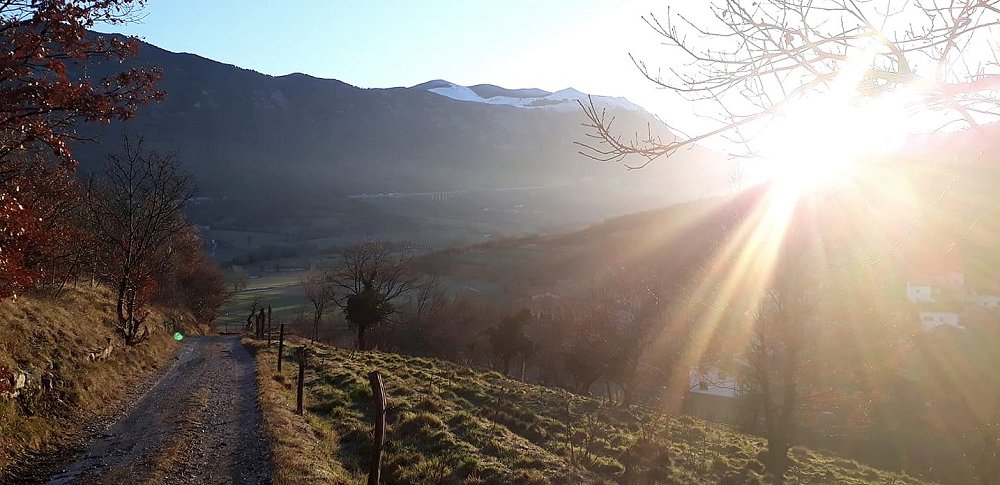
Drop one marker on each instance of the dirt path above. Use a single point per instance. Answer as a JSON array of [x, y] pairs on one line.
[[199, 424]]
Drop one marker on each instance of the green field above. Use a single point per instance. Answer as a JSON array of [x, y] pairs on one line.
[[282, 290]]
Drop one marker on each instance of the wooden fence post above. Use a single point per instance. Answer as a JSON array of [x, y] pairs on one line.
[[268, 324], [281, 345], [302, 375], [378, 392]]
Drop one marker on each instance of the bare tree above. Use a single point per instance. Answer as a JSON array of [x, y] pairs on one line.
[[508, 339], [433, 323], [588, 354], [640, 314], [370, 279], [774, 358], [782, 331], [423, 321], [251, 316], [744, 62], [320, 292], [238, 278], [136, 207]]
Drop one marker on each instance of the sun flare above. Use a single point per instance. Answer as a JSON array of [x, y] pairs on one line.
[[818, 141], [821, 138]]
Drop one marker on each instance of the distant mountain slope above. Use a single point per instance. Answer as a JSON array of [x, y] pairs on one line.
[[670, 241], [901, 215], [289, 149]]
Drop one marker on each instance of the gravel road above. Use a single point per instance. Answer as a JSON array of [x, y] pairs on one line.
[[199, 424]]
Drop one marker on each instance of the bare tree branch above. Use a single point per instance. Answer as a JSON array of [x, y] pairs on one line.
[[751, 60]]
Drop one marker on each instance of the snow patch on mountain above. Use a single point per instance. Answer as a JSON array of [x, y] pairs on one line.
[[563, 100], [460, 93]]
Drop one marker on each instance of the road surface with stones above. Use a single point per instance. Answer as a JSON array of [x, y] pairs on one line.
[[199, 423]]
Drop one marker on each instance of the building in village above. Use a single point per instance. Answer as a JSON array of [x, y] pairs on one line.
[[946, 299], [715, 390]]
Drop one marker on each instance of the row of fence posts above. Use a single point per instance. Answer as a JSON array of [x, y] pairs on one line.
[[378, 394], [257, 321]]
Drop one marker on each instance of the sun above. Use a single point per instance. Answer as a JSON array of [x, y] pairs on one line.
[[821, 137], [823, 140]]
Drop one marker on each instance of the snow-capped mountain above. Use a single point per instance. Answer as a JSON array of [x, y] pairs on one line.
[[563, 100]]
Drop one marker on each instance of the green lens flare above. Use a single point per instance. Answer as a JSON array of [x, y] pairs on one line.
[[178, 336]]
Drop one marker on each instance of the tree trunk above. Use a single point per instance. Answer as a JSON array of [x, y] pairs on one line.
[[120, 307], [780, 432], [774, 446], [628, 393], [777, 457], [362, 345], [127, 315], [316, 318]]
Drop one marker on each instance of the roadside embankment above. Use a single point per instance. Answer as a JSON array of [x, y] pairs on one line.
[[62, 367]]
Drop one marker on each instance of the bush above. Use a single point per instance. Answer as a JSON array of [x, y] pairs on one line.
[[531, 477], [191, 280]]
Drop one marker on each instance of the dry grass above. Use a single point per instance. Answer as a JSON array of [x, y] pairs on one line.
[[300, 454], [49, 338], [450, 424]]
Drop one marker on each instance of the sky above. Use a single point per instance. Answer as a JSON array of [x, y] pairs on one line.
[[551, 44]]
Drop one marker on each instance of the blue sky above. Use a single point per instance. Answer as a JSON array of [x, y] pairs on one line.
[[549, 44]]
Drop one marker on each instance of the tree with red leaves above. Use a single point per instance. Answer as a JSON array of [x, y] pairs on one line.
[[44, 91], [59, 241]]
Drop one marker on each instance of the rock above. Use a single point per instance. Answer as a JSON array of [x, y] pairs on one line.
[[11, 382], [101, 354]]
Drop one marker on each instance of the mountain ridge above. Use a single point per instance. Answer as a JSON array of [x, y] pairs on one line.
[[285, 151]]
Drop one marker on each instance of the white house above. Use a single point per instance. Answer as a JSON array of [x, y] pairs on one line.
[[985, 301], [925, 288], [712, 381], [933, 319], [919, 293], [715, 394]]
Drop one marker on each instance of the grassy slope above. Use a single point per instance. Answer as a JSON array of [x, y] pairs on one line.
[[297, 451], [453, 424], [49, 338], [671, 240]]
